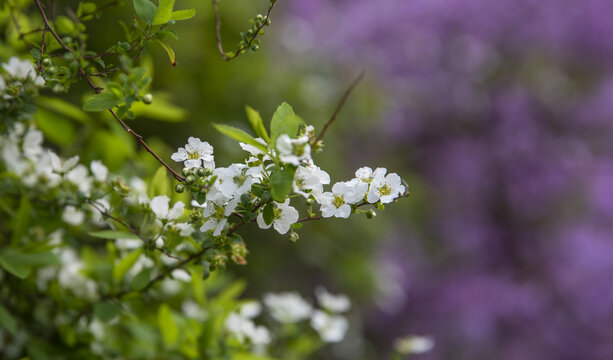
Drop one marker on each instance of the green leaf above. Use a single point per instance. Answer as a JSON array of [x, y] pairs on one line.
[[183, 14], [145, 10], [231, 293], [269, 213], [160, 109], [281, 184], [167, 326], [22, 220], [35, 54], [284, 121], [239, 135], [256, 123], [102, 101], [159, 184], [169, 51], [120, 269], [113, 234], [163, 12], [21, 264], [56, 127], [7, 320], [106, 311], [141, 279]]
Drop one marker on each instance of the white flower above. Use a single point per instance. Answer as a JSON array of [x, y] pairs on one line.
[[288, 307], [2, 85], [191, 309], [250, 309], [32, 142], [180, 274], [80, 177], [254, 150], [330, 328], [333, 303], [414, 344], [160, 207], [293, 151], [70, 275], [13, 159], [337, 203], [217, 212], [185, 229], [44, 170], [244, 328], [283, 217], [365, 174], [195, 154], [159, 242], [234, 180], [62, 166], [73, 216], [198, 205], [99, 170], [309, 180], [384, 188], [22, 70], [128, 243]]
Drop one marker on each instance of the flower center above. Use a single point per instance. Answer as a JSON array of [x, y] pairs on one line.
[[338, 201], [385, 190], [193, 155], [240, 179], [219, 212]]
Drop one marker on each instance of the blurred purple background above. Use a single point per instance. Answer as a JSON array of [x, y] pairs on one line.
[[504, 110]]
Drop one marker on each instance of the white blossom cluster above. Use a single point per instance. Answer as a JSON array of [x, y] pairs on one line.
[[17, 74], [230, 184], [290, 308]]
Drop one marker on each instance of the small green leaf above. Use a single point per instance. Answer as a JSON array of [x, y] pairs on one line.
[[281, 184], [183, 14], [102, 101], [35, 54], [120, 269], [22, 220], [256, 123], [163, 12], [269, 213], [167, 326], [145, 10], [21, 264], [141, 279], [106, 311], [284, 121], [113, 234], [7, 320], [239, 135], [159, 184], [169, 51], [62, 107]]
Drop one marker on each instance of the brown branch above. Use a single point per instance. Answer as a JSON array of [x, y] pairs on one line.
[[340, 105], [242, 48]]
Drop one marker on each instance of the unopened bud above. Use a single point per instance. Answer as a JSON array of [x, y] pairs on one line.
[[185, 171], [179, 188], [201, 172], [159, 243], [371, 214], [190, 179], [46, 62], [293, 237], [310, 201], [147, 99]]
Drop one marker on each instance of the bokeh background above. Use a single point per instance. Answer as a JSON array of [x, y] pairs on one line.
[[499, 114]]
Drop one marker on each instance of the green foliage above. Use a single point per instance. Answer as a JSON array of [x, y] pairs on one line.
[[256, 123], [145, 10], [281, 184], [239, 135], [102, 101], [284, 121]]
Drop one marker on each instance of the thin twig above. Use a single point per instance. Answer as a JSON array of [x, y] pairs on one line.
[[242, 48], [340, 105]]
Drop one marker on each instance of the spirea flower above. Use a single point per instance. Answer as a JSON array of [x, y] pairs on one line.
[[284, 217], [288, 307], [22, 70], [337, 203], [62, 166], [309, 180], [293, 151], [73, 216], [195, 154], [216, 212], [384, 188], [99, 170], [331, 328], [160, 207], [332, 303]]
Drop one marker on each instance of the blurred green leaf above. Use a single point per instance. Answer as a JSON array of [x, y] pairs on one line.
[[159, 184], [163, 12], [102, 101], [62, 107], [7, 320], [145, 10], [167, 326], [141, 279], [281, 184], [169, 51], [183, 14], [120, 269], [56, 128], [284, 121], [256, 123], [113, 234], [106, 311], [22, 220], [20, 264], [239, 135], [231, 293]]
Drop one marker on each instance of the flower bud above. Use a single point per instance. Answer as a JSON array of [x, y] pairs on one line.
[[189, 179], [172, 22], [147, 99], [185, 171], [179, 188], [201, 172], [159, 243], [310, 201], [293, 237], [46, 62], [52, 69], [371, 214]]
